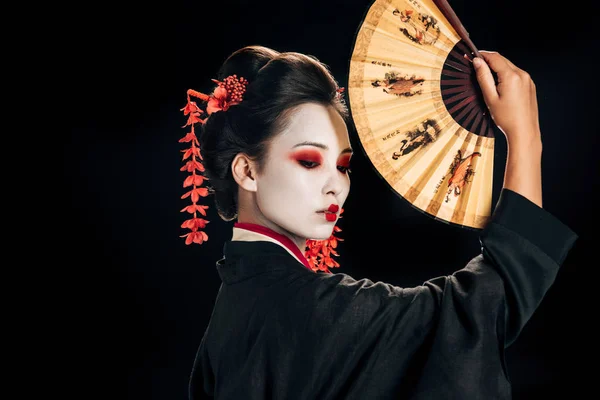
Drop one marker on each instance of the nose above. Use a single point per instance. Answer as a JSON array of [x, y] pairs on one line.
[[336, 183]]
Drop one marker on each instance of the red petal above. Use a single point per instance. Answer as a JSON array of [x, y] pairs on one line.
[[220, 93], [213, 106], [190, 107], [198, 237], [202, 209], [187, 138], [198, 180], [189, 209], [189, 181], [187, 153], [202, 191], [198, 165]]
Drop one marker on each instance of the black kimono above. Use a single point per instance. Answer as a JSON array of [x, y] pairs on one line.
[[280, 331]]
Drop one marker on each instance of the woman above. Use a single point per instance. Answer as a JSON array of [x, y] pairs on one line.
[[276, 152]]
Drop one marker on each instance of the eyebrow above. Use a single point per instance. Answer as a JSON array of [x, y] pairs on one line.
[[322, 146]]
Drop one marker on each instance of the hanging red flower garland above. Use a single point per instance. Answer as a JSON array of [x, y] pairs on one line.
[[195, 180], [319, 253], [229, 92]]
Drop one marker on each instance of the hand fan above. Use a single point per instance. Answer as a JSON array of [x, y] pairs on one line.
[[419, 112]]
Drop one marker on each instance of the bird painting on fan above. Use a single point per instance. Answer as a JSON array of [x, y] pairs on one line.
[[423, 134], [460, 173], [400, 84], [421, 29]]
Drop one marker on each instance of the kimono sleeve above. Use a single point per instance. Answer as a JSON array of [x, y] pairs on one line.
[[449, 334], [526, 245], [483, 308]]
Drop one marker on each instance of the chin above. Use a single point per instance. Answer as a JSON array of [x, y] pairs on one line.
[[322, 233]]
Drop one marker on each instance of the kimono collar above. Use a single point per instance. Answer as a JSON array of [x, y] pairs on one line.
[[248, 232], [244, 259]]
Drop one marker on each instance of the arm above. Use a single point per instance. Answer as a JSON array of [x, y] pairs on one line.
[[449, 334], [454, 329], [525, 244], [513, 107]]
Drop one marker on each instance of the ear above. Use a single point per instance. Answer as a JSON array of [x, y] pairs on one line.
[[243, 171]]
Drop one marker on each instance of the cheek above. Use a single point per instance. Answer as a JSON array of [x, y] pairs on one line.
[[286, 185], [346, 190], [308, 184]]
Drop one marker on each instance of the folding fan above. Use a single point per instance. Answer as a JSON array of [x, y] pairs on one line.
[[419, 112]]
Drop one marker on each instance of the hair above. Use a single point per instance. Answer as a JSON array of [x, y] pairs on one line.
[[277, 84]]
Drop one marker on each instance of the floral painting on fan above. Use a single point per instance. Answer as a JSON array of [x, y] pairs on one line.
[[460, 173], [400, 84], [419, 28], [423, 134]]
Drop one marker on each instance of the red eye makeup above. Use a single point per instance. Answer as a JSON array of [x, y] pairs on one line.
[[310, 158], [307, 155], [345, 160]]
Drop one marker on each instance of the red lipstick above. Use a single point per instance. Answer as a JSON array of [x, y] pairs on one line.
[[330, 215]]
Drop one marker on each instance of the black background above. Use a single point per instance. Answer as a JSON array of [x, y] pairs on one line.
[[150, 295]]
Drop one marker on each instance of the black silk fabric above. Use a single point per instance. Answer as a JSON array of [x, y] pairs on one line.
[[281, 331]]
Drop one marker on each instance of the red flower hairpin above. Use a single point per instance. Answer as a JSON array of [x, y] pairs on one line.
[[229, 92]]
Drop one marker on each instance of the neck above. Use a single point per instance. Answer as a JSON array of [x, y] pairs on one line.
[[270, 234], [297, 241], [249, 213]]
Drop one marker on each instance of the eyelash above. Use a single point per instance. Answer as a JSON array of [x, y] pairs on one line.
[[307, 164]]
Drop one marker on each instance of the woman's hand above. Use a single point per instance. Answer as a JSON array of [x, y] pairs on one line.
[[512, 103]]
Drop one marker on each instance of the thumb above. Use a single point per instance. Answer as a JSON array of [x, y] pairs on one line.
[[486, 80]]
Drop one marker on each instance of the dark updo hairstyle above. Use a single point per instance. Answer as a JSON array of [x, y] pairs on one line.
[[277, 82]]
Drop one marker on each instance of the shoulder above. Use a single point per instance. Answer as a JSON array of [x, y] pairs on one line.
[[368, 298], [347, 285]]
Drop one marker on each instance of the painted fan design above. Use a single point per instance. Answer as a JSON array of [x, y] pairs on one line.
[[419, 112]]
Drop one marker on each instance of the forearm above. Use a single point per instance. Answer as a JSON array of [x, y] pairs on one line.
[[523, 172]]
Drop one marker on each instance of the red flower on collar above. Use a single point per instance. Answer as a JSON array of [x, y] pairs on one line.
[[319, 253]]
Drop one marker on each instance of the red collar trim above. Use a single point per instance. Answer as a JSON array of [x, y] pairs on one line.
[[284, 240]]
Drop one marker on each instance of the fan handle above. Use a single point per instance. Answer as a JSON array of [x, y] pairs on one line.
[[456, 24]]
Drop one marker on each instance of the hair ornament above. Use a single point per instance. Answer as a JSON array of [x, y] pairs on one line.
[[228, 92]]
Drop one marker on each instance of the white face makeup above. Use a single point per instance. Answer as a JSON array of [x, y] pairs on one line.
[[306, 171]]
